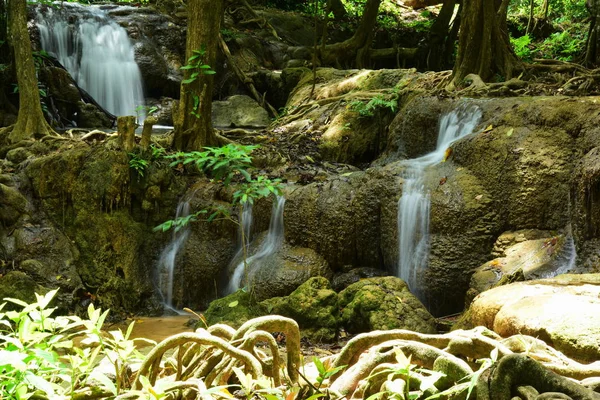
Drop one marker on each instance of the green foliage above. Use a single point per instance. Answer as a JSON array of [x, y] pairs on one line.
[[521, 47], [257, 188], [157, 152], [229, 34], [219, 162], [138, 164], [197, 67], [325, 372], [38, 358], [377, 102], [564, 46]]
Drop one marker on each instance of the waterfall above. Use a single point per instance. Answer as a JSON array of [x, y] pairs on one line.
[[268, 247], [414, 204], [166, 262], [97, 53]]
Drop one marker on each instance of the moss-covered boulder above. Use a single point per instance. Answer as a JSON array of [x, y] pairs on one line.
[[314, 305], [383, 303], [234, 309], [18, 285], [12, 205]]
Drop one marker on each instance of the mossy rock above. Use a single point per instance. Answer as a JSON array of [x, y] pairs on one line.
[[18, 285], [314, 305], [234, 309], [12, 205], [383, 303]]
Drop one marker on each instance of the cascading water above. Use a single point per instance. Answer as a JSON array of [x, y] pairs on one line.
[[97, 53], [269, 246], [167, 260], [414, 204]]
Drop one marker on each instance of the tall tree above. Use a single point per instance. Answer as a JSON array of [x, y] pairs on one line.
[[442, 37], [193, 125], [30, 120], [484, 46], [592, 54], [359, 45]]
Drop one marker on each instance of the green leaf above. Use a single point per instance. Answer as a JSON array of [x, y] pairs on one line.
[[188, 81], [233, 304]]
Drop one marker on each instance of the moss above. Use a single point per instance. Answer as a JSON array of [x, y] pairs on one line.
[[314, 305], [234, 309], [18, 285], [383, 303]]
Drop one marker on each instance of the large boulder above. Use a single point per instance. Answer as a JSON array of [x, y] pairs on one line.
[[239, 111], [562, 311], [314, 305], [233, 309], [286, 270], [383, 303], [12, 205]]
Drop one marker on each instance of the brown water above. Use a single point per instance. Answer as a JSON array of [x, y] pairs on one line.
[[157, 328]]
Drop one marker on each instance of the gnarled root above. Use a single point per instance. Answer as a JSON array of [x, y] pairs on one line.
[[517, 369]]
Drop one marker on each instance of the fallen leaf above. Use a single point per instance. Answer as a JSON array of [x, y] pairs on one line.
[[479, 197], [488, 129], [233, 304], [510, 132], [443, 180], [309, 158], [459, 169], [447, 154]]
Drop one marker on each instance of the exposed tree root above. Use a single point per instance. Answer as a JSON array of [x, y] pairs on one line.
[[396, 361]]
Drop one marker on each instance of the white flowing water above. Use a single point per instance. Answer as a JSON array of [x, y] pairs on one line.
[[97, 53], [414, 204], [168, 257], [268, 247]]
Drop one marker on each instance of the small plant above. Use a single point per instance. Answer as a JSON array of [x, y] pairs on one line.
[[222, 163], [138, 164], [377, 102], [521, 47], [197, 67], [157, 152], [325, 372]]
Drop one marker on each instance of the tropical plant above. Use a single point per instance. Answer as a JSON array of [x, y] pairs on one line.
[[368, 109], [197, 67], [138, 164]]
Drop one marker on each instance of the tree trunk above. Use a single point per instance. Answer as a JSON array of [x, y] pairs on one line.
[[337, 8], [359, 45], [530, 20], [437, 56], [31, 120], [193, 132], [4, 54], [484, 47], [591, 53]]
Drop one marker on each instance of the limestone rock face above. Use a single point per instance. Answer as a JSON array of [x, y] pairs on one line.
[[544, 257], [239, 111], [562, 311], [383, 303]]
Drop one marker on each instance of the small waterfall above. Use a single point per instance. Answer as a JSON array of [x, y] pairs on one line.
[[269, 246], [97, 53], [166, 262], [414, 204]]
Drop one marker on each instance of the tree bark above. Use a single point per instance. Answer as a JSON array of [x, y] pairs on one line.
[[30, 120], [439, 35], [591, 53], [193, 132], [484, 47]]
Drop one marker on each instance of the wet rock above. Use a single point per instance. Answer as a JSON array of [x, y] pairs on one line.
[[545, 309], [314, 305], [345, 279], [239, 111], [154, 70], [533, 259], [286, 270], [383, 303]]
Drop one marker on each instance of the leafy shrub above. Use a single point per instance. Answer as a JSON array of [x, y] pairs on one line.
[[521, 47]]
